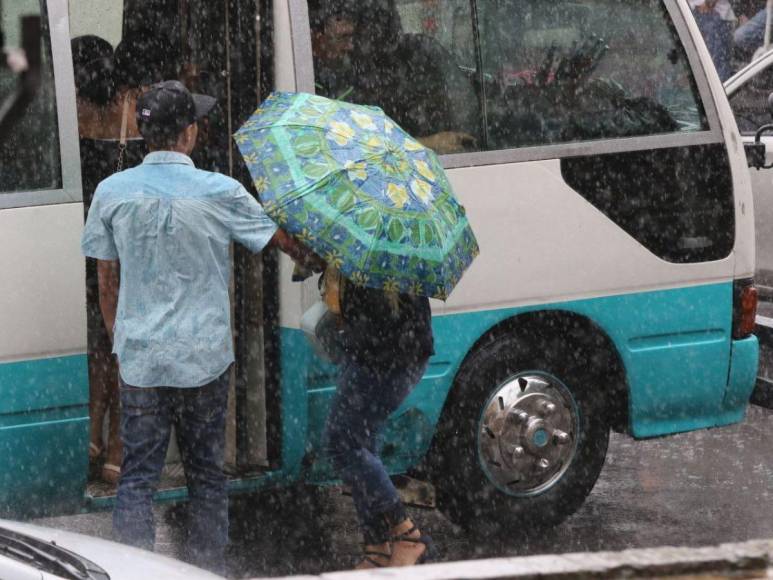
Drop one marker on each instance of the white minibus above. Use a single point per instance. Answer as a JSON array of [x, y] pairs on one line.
[[600, 166]]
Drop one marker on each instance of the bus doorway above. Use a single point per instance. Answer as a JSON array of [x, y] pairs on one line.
[[215, 49]]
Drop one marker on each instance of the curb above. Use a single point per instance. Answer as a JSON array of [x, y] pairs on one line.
[[747, 560]]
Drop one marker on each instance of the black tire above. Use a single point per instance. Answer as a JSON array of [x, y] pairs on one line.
[[465, 493]]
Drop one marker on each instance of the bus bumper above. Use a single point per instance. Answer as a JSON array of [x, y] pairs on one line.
[[744, 361]]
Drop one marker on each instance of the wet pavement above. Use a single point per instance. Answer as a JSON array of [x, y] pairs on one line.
[[694, 489]]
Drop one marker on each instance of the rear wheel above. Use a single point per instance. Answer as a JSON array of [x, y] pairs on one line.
[[524, 434]]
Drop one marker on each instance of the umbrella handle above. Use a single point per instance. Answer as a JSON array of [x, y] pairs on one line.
[[301, 272], [332, 289]]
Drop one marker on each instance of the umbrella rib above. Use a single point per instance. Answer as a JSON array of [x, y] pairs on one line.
[[322, 128]]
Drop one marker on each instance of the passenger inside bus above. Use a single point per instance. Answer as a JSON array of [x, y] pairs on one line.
[[107, 85], [556, 63], [411, 76]]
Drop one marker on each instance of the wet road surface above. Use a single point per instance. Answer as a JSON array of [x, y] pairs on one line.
[[700, 488]]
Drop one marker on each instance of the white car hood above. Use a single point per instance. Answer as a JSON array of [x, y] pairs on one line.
[[119, 561]]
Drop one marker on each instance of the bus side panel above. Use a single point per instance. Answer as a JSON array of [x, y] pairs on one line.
[[47, 383], [676, 356], [744, 364], [43, 465], [673, 354], [44, 388], [42, 282], [296, 406], [44, 423]]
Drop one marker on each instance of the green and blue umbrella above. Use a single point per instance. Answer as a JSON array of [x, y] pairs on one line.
[[362, 193]]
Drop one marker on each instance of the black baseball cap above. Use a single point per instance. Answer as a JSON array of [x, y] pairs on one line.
[[164, 110]]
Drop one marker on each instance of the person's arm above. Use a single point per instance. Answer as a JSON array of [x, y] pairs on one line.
[[447, 142], [707, 7], [109, 283], [301, 254]]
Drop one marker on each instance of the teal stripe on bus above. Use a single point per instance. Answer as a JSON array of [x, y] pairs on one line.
[[45, 383], [44, 435], [675, 346]]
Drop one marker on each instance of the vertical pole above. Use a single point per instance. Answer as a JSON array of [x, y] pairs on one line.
[[229, 104], [184, 16], [768, 21], [250, 393], [2, 33], [258, 40]]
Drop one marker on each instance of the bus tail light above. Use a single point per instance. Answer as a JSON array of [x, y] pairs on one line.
[[744, 308]]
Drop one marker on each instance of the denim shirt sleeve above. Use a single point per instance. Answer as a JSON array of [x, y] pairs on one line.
[[249, 224], [97, 240]]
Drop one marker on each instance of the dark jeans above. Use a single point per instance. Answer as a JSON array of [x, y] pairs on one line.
[[198, 415], [718, 35], [365, 399]]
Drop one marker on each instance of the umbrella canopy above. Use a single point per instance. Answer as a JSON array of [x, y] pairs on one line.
[[362, 193]]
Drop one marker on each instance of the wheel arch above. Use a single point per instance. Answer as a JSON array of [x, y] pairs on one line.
[[586, 333]]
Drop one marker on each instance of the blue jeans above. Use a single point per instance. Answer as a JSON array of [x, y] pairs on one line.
[[198, 414], [365, 399], [718, 35], [749, 36]]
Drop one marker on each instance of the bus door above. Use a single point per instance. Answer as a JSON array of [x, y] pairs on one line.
[[214, 48], [43, 373]]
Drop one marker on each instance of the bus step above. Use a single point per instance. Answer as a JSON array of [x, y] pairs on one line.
[[172, 477], [412, 492]]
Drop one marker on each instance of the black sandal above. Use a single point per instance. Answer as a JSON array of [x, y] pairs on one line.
[[430, 553], [376, 564]]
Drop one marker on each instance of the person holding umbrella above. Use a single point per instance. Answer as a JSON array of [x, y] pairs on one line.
[[376, 206], [161, 233], [388, 342]]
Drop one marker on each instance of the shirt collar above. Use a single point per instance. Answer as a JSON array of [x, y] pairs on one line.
[[161, 157]]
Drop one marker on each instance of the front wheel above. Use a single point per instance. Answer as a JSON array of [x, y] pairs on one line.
[[523, 436]]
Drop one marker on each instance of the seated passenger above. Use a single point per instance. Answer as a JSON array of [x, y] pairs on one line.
[[409, 76], [750, 35]]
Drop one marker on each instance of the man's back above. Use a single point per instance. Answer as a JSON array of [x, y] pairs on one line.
[[171, 225]]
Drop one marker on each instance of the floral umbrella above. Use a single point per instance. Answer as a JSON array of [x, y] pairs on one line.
[[362, 193]]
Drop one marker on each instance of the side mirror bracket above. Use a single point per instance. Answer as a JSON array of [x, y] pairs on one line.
[[755, 152]]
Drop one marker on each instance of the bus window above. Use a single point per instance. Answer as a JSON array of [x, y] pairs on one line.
[[552, 72], [573, 71], [29, 158], [676, 202], [447, 23]]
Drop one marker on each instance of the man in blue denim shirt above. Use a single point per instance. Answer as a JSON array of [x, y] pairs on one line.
[[166, 228]]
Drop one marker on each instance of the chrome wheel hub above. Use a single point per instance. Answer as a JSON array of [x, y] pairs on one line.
[[528, 434]]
